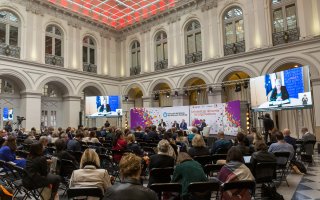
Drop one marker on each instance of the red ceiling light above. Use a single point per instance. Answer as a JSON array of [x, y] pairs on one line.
[[116, 13]]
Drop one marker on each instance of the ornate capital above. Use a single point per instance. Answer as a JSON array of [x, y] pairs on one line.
[[74, 23]]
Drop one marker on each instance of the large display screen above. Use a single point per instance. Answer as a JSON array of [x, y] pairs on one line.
[[103, 106], [7, 114], [289, 89]]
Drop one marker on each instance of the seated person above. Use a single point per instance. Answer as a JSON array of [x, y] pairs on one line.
[[281, 146], [119, 144], [161, 160], [61, 152], [89, 174], [7, 152], [288, 138], [261, 154], [307, 136], [182, 140], [279, 93], [37, 168], [133, 145], [199, 147], [241, 144], [235, 170], [187, 171], [193, 132], [75, 143], [220, 144], [130, 187]]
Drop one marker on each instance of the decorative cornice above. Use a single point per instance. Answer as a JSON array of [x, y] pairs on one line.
[[34, 8]]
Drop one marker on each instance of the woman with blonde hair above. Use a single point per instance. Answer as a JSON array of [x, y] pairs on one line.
[[89, 173], [199, 147]]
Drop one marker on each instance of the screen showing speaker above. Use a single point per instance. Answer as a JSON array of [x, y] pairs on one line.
[[288, 89], [103, 106]]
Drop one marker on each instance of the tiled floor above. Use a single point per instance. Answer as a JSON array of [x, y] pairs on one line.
[[309, 186]]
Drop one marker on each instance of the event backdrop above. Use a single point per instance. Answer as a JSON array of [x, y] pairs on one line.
[[220, 117]]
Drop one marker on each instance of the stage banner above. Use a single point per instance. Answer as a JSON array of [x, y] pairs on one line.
[[231, 120], [219, 117], [144, 117], [211, 113], [171, 114]]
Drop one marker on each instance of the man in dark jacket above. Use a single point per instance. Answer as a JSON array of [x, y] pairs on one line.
[[268, 125], [130, 187]]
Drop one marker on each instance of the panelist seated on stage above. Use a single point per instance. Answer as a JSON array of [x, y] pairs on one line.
[[104, 108], [279, 94]]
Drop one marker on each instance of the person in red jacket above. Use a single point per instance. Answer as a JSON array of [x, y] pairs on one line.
[[119, 144]]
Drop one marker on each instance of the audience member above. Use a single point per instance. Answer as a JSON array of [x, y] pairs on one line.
[[133, 145], [182, 141], [130, 187], [261, 155], [187, 171], [281, 146], [8, 127], [55, 136], [7, 152], [173, 150], [241, 144], [307, 136], [250, 136], [288, 138], [119, 144], [199, 147], [89, 174], [193, 132], [139, 134], [221, 144], [75, 144], [91, 138], [61, 152], [161, 160], [37, 168], [152, 134], [3, 136], [235, 170]]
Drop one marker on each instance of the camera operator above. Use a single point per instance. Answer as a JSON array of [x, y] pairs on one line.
[[268, 125]]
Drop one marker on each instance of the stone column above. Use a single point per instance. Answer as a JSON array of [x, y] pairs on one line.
[[177, 100], [71, 108], [31, 110], [146, 102], [316, 106], [215, 96]]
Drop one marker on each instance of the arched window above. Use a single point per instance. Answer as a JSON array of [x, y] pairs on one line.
[[49, 91], [88, 55], [161, 51], [135, 58], [9, 34], [193, 49], [54, 44], [233, 31], [284, 21]]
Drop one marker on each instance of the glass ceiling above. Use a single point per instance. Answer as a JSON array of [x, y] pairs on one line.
[[116, 13]]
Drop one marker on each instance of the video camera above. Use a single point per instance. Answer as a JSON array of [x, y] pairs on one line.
[[20, 119], [261, 117]]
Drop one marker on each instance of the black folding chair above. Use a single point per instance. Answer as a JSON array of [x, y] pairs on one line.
[[66, 168], [203, 190], [216, 157], [264, 173], [22, 153], [210, 169], [283, 167], [20, 174], [76, 192], [238, 185], [161, 174], [161, 188], [203, 160]]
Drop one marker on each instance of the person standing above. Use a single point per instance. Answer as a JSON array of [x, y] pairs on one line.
[[268, 125]]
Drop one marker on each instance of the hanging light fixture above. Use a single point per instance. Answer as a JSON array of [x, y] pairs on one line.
[[176, 93], [198, 91], [210, 90], [238, 87], [167, 94]]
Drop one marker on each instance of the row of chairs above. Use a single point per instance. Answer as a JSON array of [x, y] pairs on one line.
[[12, 176], [196, 190]]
